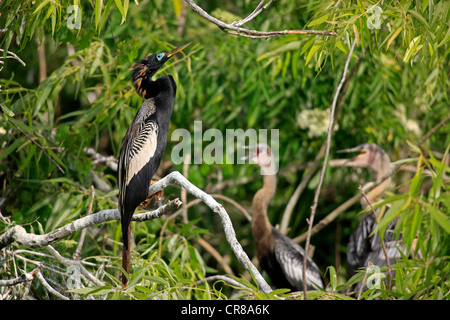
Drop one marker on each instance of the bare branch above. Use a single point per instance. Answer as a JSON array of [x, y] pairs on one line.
[[234, 28], [252, 15], [25, 277], [48, 287], [225, 279], [20, 235], [69, 262], [177, 178], [10, 55], [325, 160], [433, 130], [109, 161]]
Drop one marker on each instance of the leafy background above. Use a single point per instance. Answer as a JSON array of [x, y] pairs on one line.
[[75, 92]]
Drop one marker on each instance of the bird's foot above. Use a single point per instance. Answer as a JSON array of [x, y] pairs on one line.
[[158, 196]]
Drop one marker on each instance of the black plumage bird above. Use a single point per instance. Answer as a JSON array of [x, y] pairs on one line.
[[278, 254], [364, 248], [145, 141]]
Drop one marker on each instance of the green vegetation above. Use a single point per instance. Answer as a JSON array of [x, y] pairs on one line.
[[75, 92]]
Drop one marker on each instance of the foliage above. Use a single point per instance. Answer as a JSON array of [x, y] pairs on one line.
[[75, 92]]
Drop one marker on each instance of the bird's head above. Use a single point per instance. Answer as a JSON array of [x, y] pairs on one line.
[[369, 155], [261, 154], [146, 68]]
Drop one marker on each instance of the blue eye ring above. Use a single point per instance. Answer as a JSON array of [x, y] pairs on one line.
[[159, 56]]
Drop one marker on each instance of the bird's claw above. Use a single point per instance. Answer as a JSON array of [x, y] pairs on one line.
[[158, 196]]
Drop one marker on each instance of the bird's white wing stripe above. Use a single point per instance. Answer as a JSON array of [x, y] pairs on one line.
[[291, 263], [142, 149]]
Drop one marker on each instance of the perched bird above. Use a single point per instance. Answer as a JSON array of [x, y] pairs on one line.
[[278, 255], [363, 248], [145, 141]]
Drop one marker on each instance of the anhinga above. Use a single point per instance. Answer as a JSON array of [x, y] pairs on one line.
[[363, 248], [278, 255], [145, 141]]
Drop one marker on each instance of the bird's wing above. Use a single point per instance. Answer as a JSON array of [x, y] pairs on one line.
[[138, 147], [290, 257], [359, 244], [363, 248], [142, 148]]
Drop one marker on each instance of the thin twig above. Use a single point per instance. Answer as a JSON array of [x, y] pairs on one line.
[[38, 145], [24, 277], [330, 217], [68, 262], [312, 166], [216, 255], [12, 55], [221, 278], [433, 130], [252, 15], [235, 204], [182, 20], [243, 32], [298, 191], [324, 165], [48, 287]]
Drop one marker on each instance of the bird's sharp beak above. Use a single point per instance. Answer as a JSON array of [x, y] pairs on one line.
[[176, 50], [358, 160], [355, 149]]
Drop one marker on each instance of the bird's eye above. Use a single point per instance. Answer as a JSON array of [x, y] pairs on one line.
[[159, 56]]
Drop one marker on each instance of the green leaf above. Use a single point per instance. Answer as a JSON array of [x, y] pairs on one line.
[[412, 49], [43, 4], [98, 13], [311, 52], [394, 35], [12, 147], [439, 217], [320, 20], [420, 18], [122, 9], [6, 111]]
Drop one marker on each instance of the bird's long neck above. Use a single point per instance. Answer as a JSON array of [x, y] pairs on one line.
[[382, 168], [261, 227], [162, 85]]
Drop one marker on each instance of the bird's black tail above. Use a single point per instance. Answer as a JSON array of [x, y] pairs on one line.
[[126, 251]]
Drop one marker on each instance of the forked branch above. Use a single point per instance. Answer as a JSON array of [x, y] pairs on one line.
[[177, 178], [236, 29], [20, 235]]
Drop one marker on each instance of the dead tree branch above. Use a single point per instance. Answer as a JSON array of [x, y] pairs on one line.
[[20, 235], [236, 29], [25, 277], [177, 178]]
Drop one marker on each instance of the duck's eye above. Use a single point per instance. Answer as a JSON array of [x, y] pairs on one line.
[[159, 56]]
